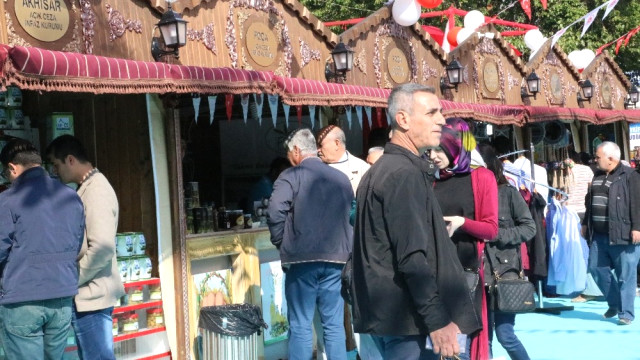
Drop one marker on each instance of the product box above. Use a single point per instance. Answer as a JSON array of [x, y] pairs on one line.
[[14, 97], [59, 124], [4, 119]]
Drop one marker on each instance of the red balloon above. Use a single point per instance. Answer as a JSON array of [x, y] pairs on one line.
[[430, 4], [452, 36]]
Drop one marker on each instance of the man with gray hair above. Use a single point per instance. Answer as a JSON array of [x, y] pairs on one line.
[[407, 280], [612, 225], [314, 243], [332, 149]]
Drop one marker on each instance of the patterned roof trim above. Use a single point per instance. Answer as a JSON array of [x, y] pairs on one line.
[[595, 64], [383, 14]]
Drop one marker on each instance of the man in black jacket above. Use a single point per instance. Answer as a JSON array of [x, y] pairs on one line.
[[612, 223], [407, 280]]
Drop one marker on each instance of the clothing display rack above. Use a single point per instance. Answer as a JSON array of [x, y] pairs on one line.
[[556, 310]]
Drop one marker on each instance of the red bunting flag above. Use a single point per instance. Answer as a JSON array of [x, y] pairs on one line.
[[618, 44], [379, 117], [228, 102], [526, 7], [299, 113], [544, 4]]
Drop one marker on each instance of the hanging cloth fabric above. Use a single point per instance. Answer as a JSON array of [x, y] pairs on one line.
[[567, 266]]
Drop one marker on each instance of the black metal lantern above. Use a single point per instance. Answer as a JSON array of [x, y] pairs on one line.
[[342, 62], [533, 84], [633, 95], [587, 91], [454, 76], [174, 34]]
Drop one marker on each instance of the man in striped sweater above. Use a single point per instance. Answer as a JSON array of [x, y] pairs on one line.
[[612, 224]]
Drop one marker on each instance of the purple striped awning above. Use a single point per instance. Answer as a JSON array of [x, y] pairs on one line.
[[45, 70], [495, 114], [296, 91], [542, 113]]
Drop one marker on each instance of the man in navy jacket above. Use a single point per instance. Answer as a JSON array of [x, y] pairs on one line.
[[41, 231], [309, 224]]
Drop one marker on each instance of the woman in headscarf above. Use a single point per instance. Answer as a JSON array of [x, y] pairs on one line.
[[469, 201]]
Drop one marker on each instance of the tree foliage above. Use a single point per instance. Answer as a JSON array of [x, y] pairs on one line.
[[560, 13]]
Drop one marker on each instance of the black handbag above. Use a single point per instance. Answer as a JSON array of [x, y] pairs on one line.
[[512, 293], [514, 296]]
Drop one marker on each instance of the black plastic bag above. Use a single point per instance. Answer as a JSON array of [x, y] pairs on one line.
[[232, 320]]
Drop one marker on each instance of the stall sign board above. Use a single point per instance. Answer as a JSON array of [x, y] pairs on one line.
[[45, 20], [398, 66], [262, 44]]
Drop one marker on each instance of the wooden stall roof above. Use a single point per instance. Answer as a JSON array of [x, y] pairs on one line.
[[541, 54], [383, 14], [492, 72], [303, 13], [474, 40], [605, 57]]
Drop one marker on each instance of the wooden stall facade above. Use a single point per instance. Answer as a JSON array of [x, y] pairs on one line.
[[261, 39], [388, 54], [559, 78], [492, 72], [610, 84]]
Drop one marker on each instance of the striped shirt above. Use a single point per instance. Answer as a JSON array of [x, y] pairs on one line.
[[582, 176], [599, 204]]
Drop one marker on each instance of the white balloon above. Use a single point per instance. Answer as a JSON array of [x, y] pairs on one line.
[[463, 34], [574, 57], [406, 12], [473, 20], [587, 56], [533, 39]]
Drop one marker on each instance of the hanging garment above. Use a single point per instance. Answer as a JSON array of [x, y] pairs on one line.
[[537, 248], [567, 265]]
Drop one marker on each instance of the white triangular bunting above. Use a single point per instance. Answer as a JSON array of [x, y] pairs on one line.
[[286, 108], [273, 105], [196, 107], [212, 107], [610, 5], [244, 102], [359, 115], [349, 114], [259, 100], [388, 118], [312, 115]]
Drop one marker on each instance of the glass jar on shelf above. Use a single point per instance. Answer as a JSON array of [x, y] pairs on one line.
[[155, 318], [129, 323], [135, 295]]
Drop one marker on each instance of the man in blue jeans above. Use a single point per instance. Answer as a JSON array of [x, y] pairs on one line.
[[41, 230], [309, 224], [99, 283], [612, 223]]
